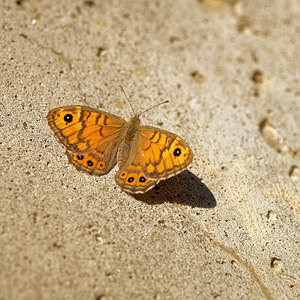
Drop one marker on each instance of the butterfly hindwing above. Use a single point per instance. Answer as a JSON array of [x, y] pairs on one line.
[[81, 129], [132, 179], [97, 162]]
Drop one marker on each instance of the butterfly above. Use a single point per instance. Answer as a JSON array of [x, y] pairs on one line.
[[96, 141]]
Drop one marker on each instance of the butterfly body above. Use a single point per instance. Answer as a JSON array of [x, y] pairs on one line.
[[129, 140], [96, 141]]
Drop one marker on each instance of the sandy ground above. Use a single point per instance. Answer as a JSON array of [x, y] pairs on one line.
[[228, 228]]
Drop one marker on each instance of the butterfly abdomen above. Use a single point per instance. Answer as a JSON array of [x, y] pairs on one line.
[[123, 154], [131, 137]]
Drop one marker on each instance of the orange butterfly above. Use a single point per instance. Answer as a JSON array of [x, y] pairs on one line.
[[96, 141]]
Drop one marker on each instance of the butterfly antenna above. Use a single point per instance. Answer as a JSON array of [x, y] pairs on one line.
[[127, 98], [153, 107]]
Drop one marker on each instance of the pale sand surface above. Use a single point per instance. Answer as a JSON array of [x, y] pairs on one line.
[[228, 228]]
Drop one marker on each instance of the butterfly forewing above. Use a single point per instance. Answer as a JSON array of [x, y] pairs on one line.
[[81, 129], [164, 153]]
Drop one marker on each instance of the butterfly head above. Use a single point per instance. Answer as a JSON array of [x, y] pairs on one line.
[[135, 120]]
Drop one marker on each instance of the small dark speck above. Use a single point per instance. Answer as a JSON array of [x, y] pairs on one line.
[[89, 3], [35, 217], [173, 39], [257, 76], [19, 2], [78, 11], [99, 51], [56, 245], [198, 77], [23, 35]]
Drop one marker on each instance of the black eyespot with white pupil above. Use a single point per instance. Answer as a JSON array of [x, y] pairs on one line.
[[80, 157], [90, 163], [130, 179], [142, 179], [68, 118], [177, 152]]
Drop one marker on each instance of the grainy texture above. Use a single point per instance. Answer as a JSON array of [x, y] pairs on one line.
[[229, 227]]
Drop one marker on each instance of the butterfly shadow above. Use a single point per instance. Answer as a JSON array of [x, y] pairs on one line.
[[185, 189]]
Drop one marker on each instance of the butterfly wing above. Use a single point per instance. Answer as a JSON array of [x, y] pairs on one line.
[[164, 153], [82, 129], [158, 155], [91, 137], [98, 161], [131, 177]]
